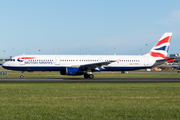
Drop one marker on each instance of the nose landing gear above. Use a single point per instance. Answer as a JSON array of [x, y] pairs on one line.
[[22, 75]]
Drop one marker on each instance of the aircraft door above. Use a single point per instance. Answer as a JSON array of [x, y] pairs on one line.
[[57, 61], [146, 61], [100, 60]]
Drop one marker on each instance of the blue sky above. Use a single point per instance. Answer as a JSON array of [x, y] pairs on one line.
[[121, 27]]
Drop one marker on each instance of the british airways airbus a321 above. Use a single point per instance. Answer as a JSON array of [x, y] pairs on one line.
[[87, 64]]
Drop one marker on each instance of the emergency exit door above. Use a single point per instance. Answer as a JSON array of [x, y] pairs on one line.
[[57, 61]]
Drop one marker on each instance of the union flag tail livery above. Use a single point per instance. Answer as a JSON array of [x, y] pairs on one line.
[[160, 50], [87, 64]]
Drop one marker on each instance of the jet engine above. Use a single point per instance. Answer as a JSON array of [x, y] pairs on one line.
[[71, 71]]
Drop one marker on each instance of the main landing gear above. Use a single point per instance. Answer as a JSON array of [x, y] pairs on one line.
[[22, 75], [90, 76]]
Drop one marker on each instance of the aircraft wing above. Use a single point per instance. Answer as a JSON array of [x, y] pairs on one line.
[[95, 65]]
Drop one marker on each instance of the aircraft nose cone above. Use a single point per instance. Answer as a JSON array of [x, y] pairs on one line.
[[4, 64]]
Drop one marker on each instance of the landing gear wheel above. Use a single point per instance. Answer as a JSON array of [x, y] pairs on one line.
[[86, 76], [91, 76], [21, 76]]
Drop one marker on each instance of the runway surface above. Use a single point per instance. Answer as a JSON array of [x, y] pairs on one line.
[[96, 80]]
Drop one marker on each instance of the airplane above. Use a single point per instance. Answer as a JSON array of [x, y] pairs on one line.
[[87, 64]]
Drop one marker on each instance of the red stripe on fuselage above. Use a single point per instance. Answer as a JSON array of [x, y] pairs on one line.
[[27, 58], [165, 40]]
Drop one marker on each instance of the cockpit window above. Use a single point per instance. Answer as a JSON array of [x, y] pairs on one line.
[[12, 59]]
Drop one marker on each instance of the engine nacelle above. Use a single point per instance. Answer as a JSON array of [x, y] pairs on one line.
[[71, 71]]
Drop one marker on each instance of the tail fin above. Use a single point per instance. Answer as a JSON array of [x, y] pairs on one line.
[[160, 50]]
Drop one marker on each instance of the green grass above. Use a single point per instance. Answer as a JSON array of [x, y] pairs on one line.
[[89, 101], [56, 75]]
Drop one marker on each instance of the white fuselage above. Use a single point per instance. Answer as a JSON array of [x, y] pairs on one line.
[[86, 64], [57, 62]]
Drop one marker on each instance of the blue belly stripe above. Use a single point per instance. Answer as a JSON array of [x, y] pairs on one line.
[[23, 68]]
